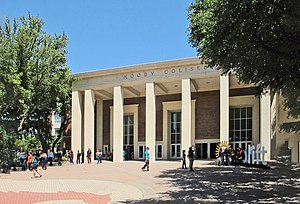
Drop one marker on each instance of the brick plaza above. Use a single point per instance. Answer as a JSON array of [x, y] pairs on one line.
[[166, 182]]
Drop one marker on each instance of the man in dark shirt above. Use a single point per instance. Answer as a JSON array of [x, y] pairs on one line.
[[191, 158]]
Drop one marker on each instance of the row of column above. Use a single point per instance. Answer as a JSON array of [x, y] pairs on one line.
[[151, 119], [88, 114]]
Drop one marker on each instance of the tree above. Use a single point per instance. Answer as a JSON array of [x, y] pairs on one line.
[[258, 40], [35, 81]]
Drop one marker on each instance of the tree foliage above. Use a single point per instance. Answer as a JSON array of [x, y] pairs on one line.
[[35, 81], [7, 143], [258, 40]]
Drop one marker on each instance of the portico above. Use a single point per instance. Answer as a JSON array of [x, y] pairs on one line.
[[168, 106]]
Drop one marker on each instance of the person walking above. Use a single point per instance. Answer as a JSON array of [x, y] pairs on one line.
[[147, 159], [35, 166], [98, 156], [191, 158], [184, 160], [89, 155]]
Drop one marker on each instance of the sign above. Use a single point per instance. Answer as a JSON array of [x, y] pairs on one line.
[[255, 155]]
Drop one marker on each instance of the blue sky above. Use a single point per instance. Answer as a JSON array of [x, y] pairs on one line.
[[112, 33]]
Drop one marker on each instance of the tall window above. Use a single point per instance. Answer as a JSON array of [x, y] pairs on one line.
[[128, 136], [175, 134], [240, 124]]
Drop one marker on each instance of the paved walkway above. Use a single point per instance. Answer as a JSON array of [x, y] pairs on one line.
[[165, 183]]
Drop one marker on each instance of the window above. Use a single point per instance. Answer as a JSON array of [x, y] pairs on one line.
[[57, 118], [175, 134], [158, 151], [240, 124]]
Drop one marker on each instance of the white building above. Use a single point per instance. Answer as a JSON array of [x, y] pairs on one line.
[[170, 106]]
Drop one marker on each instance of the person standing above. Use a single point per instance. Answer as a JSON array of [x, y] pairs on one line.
[[184, 160], [89, 155], [71, 155], [51, 156], [191, 158], [147, 159], [78, 157], [82, 156], [98, 156], [59, 155], [43, 160], [29, 161], [23, 161]]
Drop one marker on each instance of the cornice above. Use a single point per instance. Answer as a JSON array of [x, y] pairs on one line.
[[140, 67]]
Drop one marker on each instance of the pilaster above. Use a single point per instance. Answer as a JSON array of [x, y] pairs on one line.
[[224, 108], [118, 117], [89, 120], [150, 119], [186, 115], [265, 123], [77, 111]]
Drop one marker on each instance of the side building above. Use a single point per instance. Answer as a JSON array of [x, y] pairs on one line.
[[285, 146], [168, 106]]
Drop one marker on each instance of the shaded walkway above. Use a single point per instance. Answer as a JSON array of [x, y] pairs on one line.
[[225, 184]]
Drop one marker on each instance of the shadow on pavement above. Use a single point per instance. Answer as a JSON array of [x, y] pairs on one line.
[[227, 184]]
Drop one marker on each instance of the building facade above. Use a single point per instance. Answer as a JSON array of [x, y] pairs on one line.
[[168, 106]]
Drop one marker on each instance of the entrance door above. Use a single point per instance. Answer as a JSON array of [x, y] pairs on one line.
[[128, 137], [201, 151], [213, 147], [175, 148]]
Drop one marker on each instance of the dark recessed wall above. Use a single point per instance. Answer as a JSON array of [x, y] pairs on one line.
[[207, 121], [207, 116]]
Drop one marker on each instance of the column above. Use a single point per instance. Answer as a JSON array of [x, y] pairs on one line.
[[150, 119], [186, 115], [77, 111], [265, 123], [118, 117], [208, 150], [99, 124], [89, 120], [224, 108]]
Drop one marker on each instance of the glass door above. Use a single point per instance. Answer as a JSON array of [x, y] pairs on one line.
[[175, 148], [128, 148]]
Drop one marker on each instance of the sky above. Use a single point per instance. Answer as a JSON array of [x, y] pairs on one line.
[[112, 33]]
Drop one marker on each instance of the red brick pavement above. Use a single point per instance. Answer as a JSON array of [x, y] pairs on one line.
[[34, 197]]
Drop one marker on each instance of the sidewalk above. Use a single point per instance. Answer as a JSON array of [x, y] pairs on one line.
[[165, 182]]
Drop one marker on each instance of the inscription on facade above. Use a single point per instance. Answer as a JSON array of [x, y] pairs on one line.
[[138, 75], [165, 72]]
